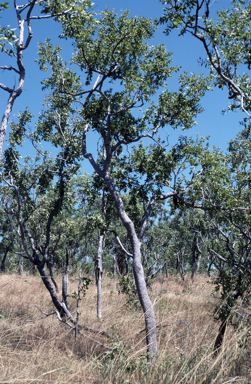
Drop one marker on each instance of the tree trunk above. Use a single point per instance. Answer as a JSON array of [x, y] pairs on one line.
[[146, 304], [60, 306], [166, 268], [138, 271], [182, 272], [20, 265], [115, 265], [98, 274], [198, 263], [193, 257], [65, 282], [51, 267], [220, 337], [126, 266], [4, 259], [221, 333]]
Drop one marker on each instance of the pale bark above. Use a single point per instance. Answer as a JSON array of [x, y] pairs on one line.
[[98, 274], [65, 282], [138, 271], [20, 265], [14, 93], [194, 248], [115, 265], [198, 263]]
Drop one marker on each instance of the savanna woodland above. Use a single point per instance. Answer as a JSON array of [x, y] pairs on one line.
[[125, 245]]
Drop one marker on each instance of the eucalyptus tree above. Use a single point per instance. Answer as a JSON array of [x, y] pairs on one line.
[[225, 36], [119, 74], [34, 193], [98, 220], [188, 228], [14, 41], [224, 192], [174, 241]]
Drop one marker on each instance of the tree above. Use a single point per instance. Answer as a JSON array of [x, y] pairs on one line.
[[128, 73], [225, 38], [23, 196], [44, 198], [14, 46], [223, 192]]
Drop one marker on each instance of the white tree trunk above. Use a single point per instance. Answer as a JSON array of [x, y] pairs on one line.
[[139, 276], [145, 301], [20, 265], [98, 273], [65, 282], [115, 266]]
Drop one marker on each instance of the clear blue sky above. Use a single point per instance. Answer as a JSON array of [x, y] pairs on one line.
[[186, 52]]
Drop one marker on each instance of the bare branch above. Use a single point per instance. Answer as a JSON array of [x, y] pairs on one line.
[[43, 317], [10, 69], [7, 89], [68, 324], [148, 211], [118, 240]]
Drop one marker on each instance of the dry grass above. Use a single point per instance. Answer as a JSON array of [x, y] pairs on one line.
[[44, 351]]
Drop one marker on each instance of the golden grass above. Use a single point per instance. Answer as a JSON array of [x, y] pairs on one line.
[[44, 351]]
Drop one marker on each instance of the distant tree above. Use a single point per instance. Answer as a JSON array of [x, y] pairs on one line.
[[224, 192]]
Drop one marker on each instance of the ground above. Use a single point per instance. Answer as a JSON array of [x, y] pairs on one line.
[[45, 351]]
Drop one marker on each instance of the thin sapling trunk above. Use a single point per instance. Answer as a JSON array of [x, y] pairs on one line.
[[98, 274]]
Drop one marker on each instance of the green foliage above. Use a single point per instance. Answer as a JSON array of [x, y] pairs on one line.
[[114, 51], [85, 284], [8, 39], [119, 359], [18, 130], [127, 287], [84, 287], [226, 39]]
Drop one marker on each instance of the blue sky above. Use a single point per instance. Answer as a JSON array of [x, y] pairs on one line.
[[186, 51]]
